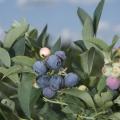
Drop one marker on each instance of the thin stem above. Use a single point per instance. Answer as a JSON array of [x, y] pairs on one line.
[[55, 102], [100, 113], [88, 118]]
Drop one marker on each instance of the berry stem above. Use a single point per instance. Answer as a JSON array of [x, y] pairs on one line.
[[55, 102], [62, 72]]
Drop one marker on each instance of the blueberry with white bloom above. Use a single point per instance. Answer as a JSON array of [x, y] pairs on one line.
[[53, 62], [56, 82], [71, 80], [39, 67], [60, 54], [48, 93], [43, 81]]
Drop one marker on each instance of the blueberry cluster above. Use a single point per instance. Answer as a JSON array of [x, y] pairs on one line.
[[51, 83], [112, 73]]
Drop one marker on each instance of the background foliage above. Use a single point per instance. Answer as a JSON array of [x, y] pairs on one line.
[[21, 101]]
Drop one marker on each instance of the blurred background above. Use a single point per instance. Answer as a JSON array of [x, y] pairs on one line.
[[61, 16]]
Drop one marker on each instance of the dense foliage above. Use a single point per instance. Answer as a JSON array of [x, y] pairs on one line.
[[90, 69]]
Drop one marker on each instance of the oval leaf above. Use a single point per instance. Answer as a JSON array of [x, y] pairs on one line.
[[4, 57], [24, 93], [85, 96], [23, 60], [14, 33]]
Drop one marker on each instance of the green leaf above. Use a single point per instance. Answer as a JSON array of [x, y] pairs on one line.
[[12, 70], [23, 60], [83, 95], [45, 40], [14, 33], [19, 47], [57, 46], [99, 44], [114, 41], [98, 63], [8, 103], [74, 104], [115, 116], [90, 61], [3, 115], [101, 84], [32, 39], [14, 76], [42, 37], [47, 113], [35, 94], [107, 96], [87, 59], [80, 43], [98, 100], [104, 100], [24, 93], [27, 69], [33, 34], [97, 15], [82, 15], [117, 100], [87, 31], [4, 57]]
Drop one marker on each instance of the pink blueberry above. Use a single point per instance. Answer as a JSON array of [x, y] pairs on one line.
[[44, 52], [113, 83]]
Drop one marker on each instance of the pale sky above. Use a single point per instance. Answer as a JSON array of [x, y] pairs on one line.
[[61, 16]]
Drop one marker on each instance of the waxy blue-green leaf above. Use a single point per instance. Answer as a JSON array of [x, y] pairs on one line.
[[19, 47], [87, 59], [42, 37], [114, 41], [14, 33], [4, 57], [115, 116], [32, 39], [11, 73], [90, 61], [23, 60], [101, 84], [83, 95], [24, 93], [33, 34], [3, 114], [80, 43], [117, 100], [83, 15], [57, 46], [97, 15], [11, 70], [8, 103], [87, 31], [99, 44]]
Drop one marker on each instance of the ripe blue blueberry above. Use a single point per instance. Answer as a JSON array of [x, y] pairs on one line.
[[60, 54], [48, 93], [53, 62], [62, 83], [56, 82], [39, 67], [71, 80], [43, 81]]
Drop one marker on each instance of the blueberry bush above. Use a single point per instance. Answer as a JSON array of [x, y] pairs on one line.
[[39, 81]]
